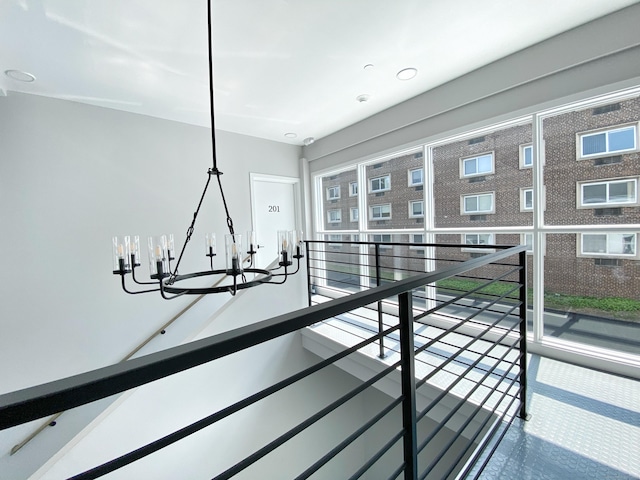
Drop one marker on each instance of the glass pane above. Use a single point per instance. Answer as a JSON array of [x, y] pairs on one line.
[[336, 210], [470, 167], [622, 139], [594, 243], [593, 144], [389, 200], [594, 193], [528, 156], [593, 301], [621, 192], [456, 202], [341, 269]]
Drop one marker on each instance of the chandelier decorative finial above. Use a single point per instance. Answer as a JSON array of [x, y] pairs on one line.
[[161, 249]]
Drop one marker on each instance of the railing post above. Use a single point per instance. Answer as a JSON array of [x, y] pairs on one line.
[[522, 257], [309, 293], [380, 324], [408, 380]]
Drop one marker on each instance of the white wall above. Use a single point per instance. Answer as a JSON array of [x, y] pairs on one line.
[[585, 61], [73, 175]]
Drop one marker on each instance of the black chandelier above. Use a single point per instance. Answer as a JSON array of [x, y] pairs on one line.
[[161, 250]]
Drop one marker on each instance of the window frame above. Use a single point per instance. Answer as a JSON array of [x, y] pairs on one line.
[[491, 241], [387, 182], [371, 207], [351, 216], [334, 210], [463, 210], [351, 189], [582, 254], [411, 214], [523, 199], [476, 157], [335, 188], [606, 130], [607, 204], [523, 149], [410, 182]]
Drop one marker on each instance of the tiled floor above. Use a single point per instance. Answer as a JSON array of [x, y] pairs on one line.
[[584, 425]]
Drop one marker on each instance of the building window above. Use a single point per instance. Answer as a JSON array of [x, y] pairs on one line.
[[416, 177], [477, 239], [335, 238], [353, 214], [526, 199], [416, 209], [380, 184], [603, 142], [526, 156], [611, 192], [353, 189], [527, 239], [334, 216], [480, 165], [416, 238], [333, 193], [481, 203], [380, 212], [608, 244], [382, 238]]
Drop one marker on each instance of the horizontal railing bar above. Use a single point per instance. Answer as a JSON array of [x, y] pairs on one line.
[[49, 398], [350, 439], [400, 244], [257, 455], [378, 455], [471, 367], [448, 445], [184, 432]]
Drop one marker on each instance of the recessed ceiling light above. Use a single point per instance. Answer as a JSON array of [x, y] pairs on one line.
[[20, 75], [363, 98], [368, 66], [290, 135], [406, 74]]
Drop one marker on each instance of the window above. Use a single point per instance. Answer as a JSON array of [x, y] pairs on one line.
[[477, 239], [526, 199], [380, 184], [416, 177], [527, 239], [380, 212], [611, 192], [353, 189], [480, 165], [526, 156], [417, 238], [481, 203], [608, 141], [608, 244], [334, 216], [381, 238], [416, 209], [334, 238], [333, 193], [353, 214]]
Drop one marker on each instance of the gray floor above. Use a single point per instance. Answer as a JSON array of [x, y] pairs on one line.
[[584, 425]]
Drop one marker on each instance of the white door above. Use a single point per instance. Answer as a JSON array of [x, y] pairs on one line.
[[274, 207]]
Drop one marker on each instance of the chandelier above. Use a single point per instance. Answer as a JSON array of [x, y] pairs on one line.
[[239, 257]]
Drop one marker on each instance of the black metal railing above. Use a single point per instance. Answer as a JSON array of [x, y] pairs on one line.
[[478, 326], [488, 388]]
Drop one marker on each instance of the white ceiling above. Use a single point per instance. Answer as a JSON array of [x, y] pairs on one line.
[[281, 66]]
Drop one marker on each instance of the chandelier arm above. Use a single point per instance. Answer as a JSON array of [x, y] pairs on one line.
[[133, 276], [165, 296], [124, 287]]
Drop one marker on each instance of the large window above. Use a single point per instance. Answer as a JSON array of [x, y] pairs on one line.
[[607, 193], [380, 212], [380, 184], [480, 165], [481, 203], [607, 141], [608, 244]]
